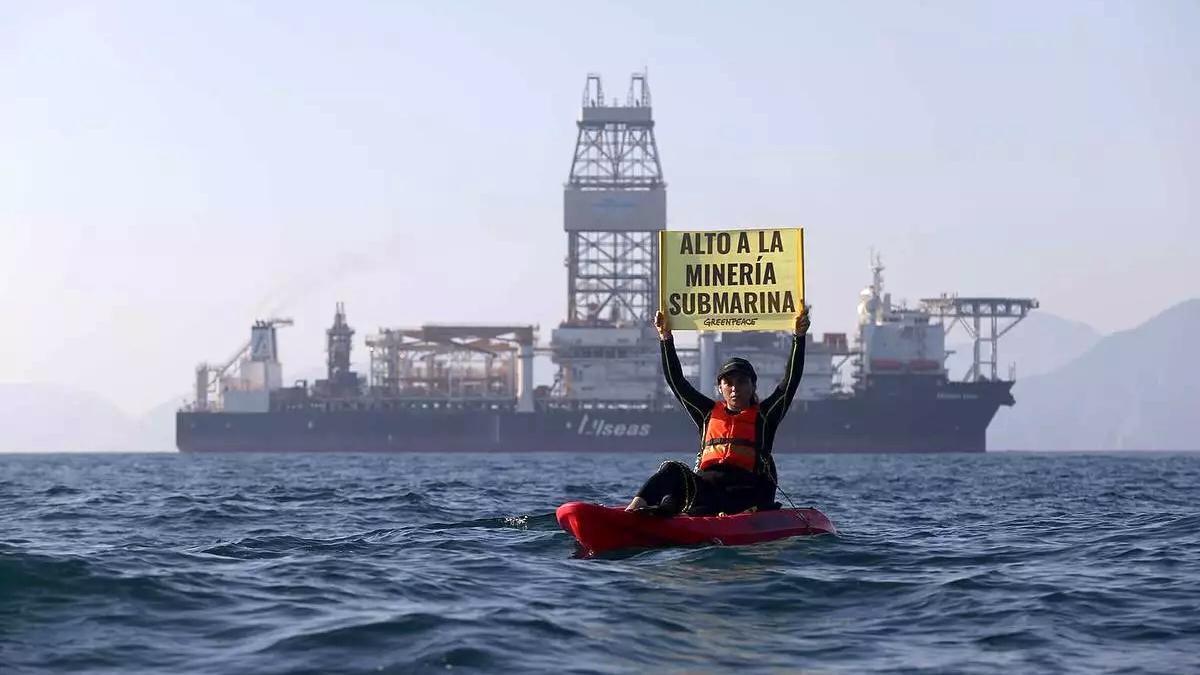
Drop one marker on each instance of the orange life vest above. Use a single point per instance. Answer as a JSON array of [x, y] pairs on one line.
[[729, 438]]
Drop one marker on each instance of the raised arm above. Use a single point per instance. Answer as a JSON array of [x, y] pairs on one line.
[[775, 406], [695, 403]]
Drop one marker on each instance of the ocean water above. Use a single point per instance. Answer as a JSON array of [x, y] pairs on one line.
[[995, 563]]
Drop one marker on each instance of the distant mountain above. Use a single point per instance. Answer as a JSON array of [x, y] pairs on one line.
[[37, 417], [43, 417], [1041, 343], [1134, 390]]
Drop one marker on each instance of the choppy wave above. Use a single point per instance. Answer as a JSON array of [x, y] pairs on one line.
[[274, 564]]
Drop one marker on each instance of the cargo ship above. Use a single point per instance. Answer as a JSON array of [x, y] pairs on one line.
[[470, 388]]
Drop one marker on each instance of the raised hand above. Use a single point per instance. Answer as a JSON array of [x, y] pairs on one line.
[[802, 321], [660, 323]]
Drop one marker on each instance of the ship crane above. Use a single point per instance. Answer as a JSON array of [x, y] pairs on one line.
[[208, 376], [971, 312]]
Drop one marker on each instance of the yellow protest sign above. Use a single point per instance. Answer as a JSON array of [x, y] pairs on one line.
[[731, 280]]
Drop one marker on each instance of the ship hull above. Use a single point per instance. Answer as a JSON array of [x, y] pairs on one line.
[[950, 418]]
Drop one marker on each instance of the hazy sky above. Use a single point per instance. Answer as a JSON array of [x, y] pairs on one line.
[[169, 173]]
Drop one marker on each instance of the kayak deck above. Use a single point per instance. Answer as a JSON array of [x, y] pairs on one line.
[[604, 528]]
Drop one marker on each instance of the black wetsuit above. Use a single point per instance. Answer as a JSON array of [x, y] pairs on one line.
[[727, 489]]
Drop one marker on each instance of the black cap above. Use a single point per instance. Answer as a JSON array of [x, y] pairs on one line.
[[738, 365]]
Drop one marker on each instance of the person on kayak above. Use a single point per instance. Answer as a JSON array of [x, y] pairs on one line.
[[734, 470]]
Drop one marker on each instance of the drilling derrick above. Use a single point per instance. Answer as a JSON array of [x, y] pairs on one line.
[[614, 205], [340, 380]]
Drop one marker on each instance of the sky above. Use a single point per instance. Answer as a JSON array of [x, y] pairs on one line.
[[169, 173]]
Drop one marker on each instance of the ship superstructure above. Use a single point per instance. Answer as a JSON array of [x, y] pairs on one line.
[[471, 387]]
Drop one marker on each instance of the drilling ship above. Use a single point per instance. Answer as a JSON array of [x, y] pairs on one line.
[[470, 388]]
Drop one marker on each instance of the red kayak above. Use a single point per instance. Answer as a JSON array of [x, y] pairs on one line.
[[604, 528]]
